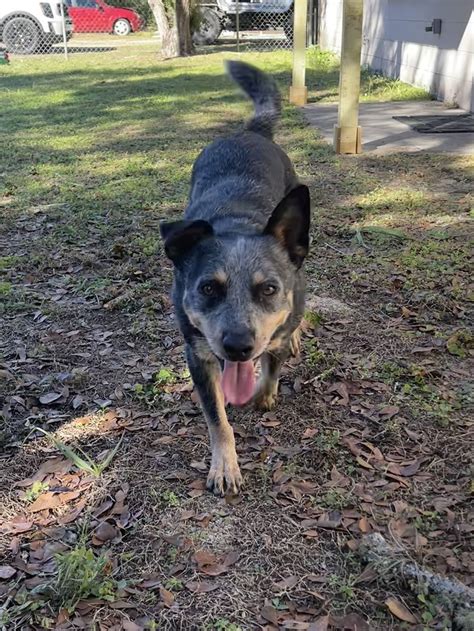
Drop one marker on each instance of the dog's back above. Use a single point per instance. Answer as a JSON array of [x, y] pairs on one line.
[[237, 181]]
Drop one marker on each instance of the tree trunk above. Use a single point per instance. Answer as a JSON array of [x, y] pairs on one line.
[[173, 25], [183, 18]]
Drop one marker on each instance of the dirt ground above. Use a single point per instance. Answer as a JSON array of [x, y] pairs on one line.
[[372, 432]]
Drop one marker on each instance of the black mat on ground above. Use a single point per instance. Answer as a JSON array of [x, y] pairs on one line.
[[439, 124]]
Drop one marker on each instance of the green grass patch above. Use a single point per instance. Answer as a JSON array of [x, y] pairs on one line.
[[5, 288], [35, 491], [81, 574]]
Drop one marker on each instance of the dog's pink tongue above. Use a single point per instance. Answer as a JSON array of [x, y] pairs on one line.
[[238, 382]]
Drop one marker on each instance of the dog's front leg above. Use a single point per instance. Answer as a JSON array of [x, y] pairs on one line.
[[224, 474]]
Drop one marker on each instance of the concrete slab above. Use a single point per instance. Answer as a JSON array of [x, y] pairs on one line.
[[382, 134]]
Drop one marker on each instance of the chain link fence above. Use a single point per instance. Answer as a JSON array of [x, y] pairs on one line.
[[47, 27], [264, 25], [252, 25], [37, 27]]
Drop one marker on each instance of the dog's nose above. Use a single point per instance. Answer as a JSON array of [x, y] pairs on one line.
[[238, 344]]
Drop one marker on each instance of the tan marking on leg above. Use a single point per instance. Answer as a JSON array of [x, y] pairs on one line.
[[295, 342], [267, 388], [275, 344], [203, 350], [266, 395], [224, 473]]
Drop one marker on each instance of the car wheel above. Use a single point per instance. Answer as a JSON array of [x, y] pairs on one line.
[[210, 28], [22, 36], [122, 27]]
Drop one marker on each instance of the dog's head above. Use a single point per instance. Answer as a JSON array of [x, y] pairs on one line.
[[238, 290]]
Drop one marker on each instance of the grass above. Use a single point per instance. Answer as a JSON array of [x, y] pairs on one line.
[[35, 491], [79, 458], [100, 150], [96, 107], [323, 77], [82, 574]]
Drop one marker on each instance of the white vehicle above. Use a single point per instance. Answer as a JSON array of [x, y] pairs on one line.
[[31, 26]]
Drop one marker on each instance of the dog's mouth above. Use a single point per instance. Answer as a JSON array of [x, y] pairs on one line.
[[238, 381]]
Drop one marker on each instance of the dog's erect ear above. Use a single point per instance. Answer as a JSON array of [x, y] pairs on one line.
[[181, 236], [289, 223]]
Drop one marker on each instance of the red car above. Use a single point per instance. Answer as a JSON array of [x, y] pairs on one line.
[[95, 16]]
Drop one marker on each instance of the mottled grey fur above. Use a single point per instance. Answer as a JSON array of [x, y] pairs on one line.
[[245, 233]]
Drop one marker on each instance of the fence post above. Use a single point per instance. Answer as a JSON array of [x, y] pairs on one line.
[[347, 133], [63, 22], [298, 89], [237, 24]]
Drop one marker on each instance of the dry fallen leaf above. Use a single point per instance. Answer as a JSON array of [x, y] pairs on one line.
[[49, 397], [201, 587], [7, 571], [399, 610], [167, 597], [286, 583], [204, 557], [270, 423], [199, 465], [389, 411], [332, 519], [321, 624], [341, 389], [104, 532], [209, 564], [18, 525], [270, 613], [45, 501], [77, 401], [73, 514], [410, 469]]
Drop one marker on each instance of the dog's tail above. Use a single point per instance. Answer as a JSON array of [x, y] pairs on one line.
[[263, 91]]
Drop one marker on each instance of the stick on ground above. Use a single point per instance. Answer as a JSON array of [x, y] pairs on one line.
[[391, 563]]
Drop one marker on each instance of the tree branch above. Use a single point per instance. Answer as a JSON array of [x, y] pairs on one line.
[[391, 563]]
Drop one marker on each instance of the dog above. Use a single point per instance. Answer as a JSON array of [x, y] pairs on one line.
[[238, 288]]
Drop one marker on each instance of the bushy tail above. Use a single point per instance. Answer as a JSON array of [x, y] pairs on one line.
[[263, 91]]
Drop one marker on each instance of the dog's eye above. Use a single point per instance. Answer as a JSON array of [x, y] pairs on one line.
[[209, 289], [268, 289]]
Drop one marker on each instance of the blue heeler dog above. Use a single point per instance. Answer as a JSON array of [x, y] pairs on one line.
[[238, 283]]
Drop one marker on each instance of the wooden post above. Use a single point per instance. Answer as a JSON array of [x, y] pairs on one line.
[[63, 25], [298, 89], [347, 133]]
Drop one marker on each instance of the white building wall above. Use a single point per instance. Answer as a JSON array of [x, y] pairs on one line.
[[395, 42]]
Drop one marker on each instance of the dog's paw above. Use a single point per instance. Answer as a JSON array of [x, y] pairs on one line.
[[265, 401], [265, 397], [224, 474]]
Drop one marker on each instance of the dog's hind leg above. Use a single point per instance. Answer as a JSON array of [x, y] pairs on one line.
[[224, 474]]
